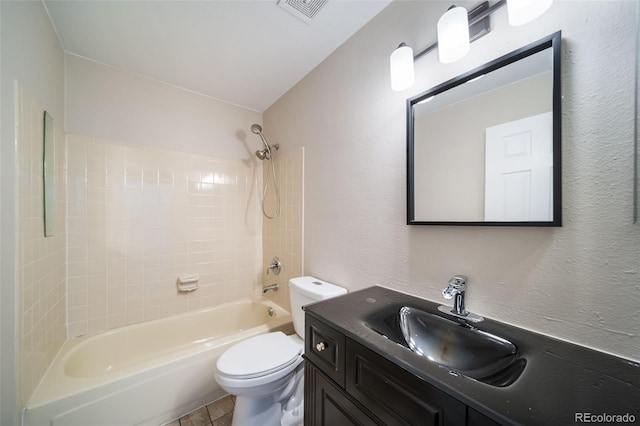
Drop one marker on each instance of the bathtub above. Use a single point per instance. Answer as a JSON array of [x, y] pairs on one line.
[[148, 373]]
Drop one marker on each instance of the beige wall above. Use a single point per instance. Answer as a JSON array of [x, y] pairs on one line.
[[30, 54], [112, 104], [162, 182], [139, 217], [578, 282]]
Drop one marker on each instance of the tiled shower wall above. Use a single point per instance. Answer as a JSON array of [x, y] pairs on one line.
[[41, 261], [283, 236], [140, 217]]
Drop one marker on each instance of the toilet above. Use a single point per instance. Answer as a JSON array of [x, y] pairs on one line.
[[266, 372]]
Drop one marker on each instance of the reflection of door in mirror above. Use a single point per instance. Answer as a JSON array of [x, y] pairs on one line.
[[519, 170]]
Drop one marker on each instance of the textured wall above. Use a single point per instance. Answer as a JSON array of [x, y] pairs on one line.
[[578, 282]]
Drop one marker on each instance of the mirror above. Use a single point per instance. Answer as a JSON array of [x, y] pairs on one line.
[[48, 175], [484, 147]]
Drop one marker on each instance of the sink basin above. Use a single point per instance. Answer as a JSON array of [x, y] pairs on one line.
[[453, 344]]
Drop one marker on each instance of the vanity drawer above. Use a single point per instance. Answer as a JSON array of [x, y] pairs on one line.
[[396, 396], [325, 347]]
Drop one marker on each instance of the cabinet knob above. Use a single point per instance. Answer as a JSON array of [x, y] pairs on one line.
[[321, 346]]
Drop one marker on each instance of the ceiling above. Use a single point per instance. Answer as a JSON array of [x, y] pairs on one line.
[[245, 52]]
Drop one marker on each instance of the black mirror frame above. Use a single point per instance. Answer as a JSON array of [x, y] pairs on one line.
[[553, 41]]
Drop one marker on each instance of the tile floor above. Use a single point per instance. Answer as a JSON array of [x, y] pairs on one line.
[[218, 413]]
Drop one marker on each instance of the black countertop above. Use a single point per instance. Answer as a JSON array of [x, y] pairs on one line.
[[560, 381]]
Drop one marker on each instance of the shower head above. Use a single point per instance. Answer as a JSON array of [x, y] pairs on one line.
[[266, 152], [257, 129]]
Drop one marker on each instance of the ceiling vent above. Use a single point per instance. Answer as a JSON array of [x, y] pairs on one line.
[[305, 10]]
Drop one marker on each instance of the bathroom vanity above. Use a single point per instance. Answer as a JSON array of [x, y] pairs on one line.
[[360, 371]]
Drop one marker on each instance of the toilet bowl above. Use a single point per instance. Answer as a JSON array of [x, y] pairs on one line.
[[266, 372]]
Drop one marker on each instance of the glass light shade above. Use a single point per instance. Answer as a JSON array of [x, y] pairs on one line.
[[453, 35], [522, 11], [401, 64]]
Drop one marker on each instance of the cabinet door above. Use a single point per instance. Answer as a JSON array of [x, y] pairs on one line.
[[396, 396], [327, 405]]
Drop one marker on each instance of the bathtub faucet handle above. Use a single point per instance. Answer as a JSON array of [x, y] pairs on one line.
[[275, 266]]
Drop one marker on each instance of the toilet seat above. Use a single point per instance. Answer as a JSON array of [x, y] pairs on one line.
[[259, 356]]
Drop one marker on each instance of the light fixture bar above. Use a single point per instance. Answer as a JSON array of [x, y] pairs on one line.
[[476, 16]]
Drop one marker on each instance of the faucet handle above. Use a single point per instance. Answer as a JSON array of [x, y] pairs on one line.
[[455, 285], [275, 266], [458, 280], [449, 292]]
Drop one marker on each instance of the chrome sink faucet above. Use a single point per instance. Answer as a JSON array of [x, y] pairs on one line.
[[456, 288]]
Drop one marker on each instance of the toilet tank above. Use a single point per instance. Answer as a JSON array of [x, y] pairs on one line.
[[306, 290]]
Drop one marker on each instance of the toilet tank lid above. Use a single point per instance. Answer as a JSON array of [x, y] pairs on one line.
[[315, 288]]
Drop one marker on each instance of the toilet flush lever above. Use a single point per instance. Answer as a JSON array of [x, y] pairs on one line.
[[275, 266]]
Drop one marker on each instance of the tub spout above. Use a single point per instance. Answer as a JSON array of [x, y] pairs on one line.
[[273, 287]]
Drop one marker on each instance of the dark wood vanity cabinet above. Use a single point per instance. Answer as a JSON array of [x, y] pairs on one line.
[[348, 384], [326, 404]]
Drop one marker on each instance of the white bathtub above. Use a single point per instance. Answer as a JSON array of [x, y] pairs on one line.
[[147, 373]]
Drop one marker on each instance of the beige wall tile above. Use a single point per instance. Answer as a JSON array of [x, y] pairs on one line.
[[41, 271], [142, 217], [282, 236]]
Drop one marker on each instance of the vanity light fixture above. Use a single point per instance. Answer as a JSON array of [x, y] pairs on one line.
[[454, 37], [453, 34], [401, 63]]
